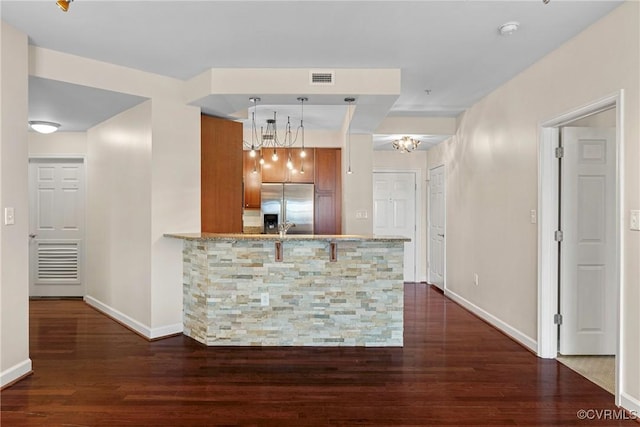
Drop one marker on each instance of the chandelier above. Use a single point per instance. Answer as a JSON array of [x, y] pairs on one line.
[[406, 144], [268, 140]]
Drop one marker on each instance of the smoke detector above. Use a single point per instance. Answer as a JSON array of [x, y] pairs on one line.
[[508, 28]]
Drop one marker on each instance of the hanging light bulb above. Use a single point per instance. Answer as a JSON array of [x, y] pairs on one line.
[[302, 100], [274, 156], [289, 162], [349, 171]]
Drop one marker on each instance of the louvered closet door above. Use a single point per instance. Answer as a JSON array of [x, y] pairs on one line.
[[56, 227]]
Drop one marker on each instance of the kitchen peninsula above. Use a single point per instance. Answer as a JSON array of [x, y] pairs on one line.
[[296, 290]]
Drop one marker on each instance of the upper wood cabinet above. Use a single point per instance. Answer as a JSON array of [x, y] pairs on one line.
[[328, 189], [303, 167], [252, 181], [221, 175], [274, 171], [277, 171]]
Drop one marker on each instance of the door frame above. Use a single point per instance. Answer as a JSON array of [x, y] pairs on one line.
[[548, 204], [417, 261], [444, 219], [81, 158]]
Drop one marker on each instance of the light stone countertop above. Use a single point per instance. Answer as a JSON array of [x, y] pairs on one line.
[[277, 238]]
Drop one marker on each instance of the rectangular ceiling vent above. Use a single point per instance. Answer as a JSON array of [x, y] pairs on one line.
[[322, 77]]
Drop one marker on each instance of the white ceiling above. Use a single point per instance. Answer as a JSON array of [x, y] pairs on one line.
[[449, 52]]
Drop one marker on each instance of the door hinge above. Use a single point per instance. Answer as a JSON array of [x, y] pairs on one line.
[[558, 235], [559, 152], [557, 319]]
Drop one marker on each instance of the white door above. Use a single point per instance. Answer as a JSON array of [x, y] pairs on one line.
[[436, 227], [56, 206], [588, 288], [394, 213]]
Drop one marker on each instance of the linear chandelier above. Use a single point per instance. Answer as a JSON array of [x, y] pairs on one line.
[[267, 140], [406, 144]]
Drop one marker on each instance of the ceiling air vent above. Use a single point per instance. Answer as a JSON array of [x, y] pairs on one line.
[[322, 77]]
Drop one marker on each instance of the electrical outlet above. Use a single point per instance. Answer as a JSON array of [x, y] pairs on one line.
[[264, 299], [634, 222], [475, 279]]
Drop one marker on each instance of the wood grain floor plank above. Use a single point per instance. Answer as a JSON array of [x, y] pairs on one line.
[[453, 370]]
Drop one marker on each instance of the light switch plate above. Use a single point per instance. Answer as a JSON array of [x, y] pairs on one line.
[[634, 221], [533, 215], [9, 216], [362, 214]]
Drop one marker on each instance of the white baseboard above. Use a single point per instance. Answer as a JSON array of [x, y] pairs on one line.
[[144, 330], [520, 337], [15, 372], [631, 404]]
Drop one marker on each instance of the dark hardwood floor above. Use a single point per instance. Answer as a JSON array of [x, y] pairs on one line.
[[454, 370]]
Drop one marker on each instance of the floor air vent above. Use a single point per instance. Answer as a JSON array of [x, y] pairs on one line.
[[322, 77]]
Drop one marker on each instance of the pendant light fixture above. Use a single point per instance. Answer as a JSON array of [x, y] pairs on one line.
[[349, 101], [64, 5], [268, 138]]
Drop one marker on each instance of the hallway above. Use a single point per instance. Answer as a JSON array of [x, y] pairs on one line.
[[454, 370]]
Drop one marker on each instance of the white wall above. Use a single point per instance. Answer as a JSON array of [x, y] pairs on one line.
[[14, 251], [357, 188], [58, 143], [175, 206], [415, 161], [118, 266], [492, 179], [147, 163]]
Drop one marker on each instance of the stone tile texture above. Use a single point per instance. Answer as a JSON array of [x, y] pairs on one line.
[[355, 301]]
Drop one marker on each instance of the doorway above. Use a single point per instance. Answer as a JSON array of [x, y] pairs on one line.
[[437, 227], [579, 233], [394, 213], [56, 227]]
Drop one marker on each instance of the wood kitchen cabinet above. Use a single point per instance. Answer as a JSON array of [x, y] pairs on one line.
[[221, 175], [274, 171], [278, 172], [252, 181], [303, 167], [328, 189]]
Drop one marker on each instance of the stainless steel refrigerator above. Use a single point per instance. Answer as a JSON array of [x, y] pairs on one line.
[[287, 203]]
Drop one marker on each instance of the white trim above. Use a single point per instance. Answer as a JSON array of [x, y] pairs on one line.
[[58, 157], [548, 211], [417, 261], [509, 330], [444, 219], [631, 404], [15, 372], [548, 176], [144, 330]]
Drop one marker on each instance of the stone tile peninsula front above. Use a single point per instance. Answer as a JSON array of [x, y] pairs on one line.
[[297, 290]]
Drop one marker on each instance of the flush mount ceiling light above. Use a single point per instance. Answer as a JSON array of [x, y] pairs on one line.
[[64, 4], [406, 144], [508, 28], [43, 127]]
